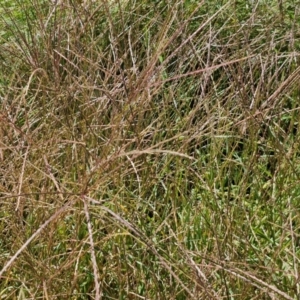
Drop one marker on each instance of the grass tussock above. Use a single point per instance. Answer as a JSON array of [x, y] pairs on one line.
[[149, 149]]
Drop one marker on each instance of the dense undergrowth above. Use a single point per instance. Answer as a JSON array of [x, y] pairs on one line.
[[149, 149]]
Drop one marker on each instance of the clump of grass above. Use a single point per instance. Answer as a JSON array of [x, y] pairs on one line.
[[149, 150]]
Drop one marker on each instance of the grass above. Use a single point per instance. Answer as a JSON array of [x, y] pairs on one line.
[[149, 150]]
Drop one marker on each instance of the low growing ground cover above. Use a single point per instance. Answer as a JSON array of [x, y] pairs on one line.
[[149, 149]]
